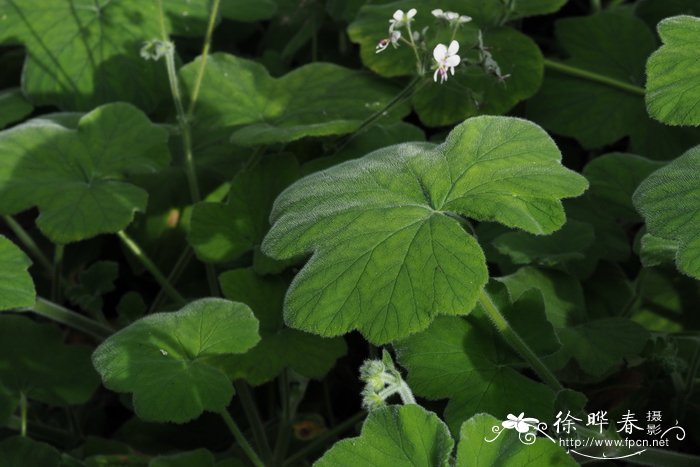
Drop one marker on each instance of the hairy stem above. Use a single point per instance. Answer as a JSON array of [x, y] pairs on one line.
[[592, 76], [29, 243], [240, 439], [56, 276], [23, 414], [151, 267], [517, 343], [180, 265], [71, 319]]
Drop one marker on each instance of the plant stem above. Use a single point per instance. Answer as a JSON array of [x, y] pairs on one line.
[[322, 439], [256, 425], [283, 432], [28, 242], [71, 319], [23, 414], [174, 276], [56, 277], [205, 53], [517, 343], [592, 76], [240, 439], [151, 267], [41, 431]]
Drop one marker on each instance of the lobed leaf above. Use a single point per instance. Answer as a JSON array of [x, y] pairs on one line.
[[163, 359], [389, 252], [16, 285]]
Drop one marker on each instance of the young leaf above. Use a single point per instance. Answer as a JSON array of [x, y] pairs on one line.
[[388, 251], [673, 86], [76, 176], [506, 450], [669, 201], [14, 106], [34, 361], [279, 347], [654, 250], [394, 436], [163, 359], [94, 282], [467, 362], [16, 285], [318, 99]]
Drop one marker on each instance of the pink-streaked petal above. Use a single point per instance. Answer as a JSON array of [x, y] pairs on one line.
[[454, 48], [452, 60], [440, 52]]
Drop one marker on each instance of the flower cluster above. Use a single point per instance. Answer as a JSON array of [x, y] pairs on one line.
[[451, 17], [382, 380]]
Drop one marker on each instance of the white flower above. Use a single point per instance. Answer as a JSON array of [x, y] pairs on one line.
[[393, 40], [522, 425], [447, 59], [401, 19], [451, 17]]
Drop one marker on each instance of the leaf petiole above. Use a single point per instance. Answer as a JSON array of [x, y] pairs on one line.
[[240, 439], [592, 76], [70, 318]]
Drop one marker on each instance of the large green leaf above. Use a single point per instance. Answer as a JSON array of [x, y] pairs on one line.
[[394, 436], [615, 46], [507, 450], [669, 201], [34, 361], [318, 99], [467, 362], [163, 358], [76, 177], [13, 107], [279, 347], [388, 251], [673, 86], [16, 285]]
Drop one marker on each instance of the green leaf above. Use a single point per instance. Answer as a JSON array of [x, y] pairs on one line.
[[656, 250], [318, 99], [388, 253], [197, 458], [20, 451], [93, 283], [8, 404], [34, 361], [76, 177], [171, 350], [394, 436], [672, 93], [506, 450], [222, 232], [669, 201], [81, 53], [279, 347], [472, 91], [610, 44], [614, 177], [468, 362], [602, 344], [16, 285], [562, 246], [13, 107]]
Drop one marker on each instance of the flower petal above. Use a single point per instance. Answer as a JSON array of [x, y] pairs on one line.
[[437, 13], [522, 427], [398, 15], [411, 13], [436, 74], [454, 48], [508, 424], [452, 61], [440, 52]]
